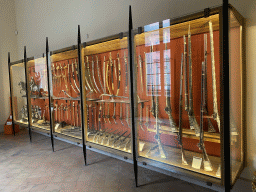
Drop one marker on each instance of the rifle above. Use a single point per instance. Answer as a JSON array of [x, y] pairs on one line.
[[179, 134], [206, 160], [185, 73], [210, 126], [192, 119], [215, 114]]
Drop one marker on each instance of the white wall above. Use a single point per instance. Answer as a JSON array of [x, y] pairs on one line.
[[8, 43], [58, 20]]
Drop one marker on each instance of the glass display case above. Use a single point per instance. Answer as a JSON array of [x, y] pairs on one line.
[[106, 79], [38, 93], [179, 73], [18, 93], [66, 106]]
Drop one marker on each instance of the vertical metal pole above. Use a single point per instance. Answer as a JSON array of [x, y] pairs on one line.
[[10, 82], [49, 81], [226, 100], [81, 91], [133, 97], [27, 94]]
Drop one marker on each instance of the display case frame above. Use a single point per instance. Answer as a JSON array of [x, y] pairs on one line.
[[226, 177]]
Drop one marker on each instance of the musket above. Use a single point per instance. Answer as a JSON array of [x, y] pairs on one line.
[[108, 115], [206, 160], [98, 71], [70, 80], [73, 75], [185, 73], [96, 116], [99, 117], [192, 120], [104, 116], [141, 73], [121, 114], [155, 112], [168, 108], [215, 114], [89, 74], [92, 120], [141, 114], [210, 126], [126, 72], [179, 134], [114, 113], [147, 116], [119, 74], [93, 76]]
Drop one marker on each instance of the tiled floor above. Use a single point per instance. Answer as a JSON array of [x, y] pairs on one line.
[[26, 166]]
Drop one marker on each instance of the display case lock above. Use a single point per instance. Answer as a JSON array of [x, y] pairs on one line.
[[78, 143], [144, 163], [90, 146], [125, 158], [209, 183]]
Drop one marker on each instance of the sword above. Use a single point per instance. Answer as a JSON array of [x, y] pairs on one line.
[[119, 74], [141, 113], [98, 71], [73, 75], [114, 114], [93, 76], [121, 114], [89, 74], [121, 141], [70, 80], [65, 77], [112, 71], [116, 139]]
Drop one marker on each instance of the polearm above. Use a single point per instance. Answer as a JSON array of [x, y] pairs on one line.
[[215, 114], [93, 76], [192, 120], [206, 160], [179, 134], [168, 108], [210, 126]]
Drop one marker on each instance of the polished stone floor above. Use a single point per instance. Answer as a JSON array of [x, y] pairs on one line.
[[26, 166]]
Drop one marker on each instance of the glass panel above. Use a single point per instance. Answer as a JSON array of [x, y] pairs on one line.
[[177, 118], [66, 95], [235, 59], [108, 104], [39, 102], [19, 99]]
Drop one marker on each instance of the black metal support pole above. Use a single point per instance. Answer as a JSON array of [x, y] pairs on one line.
[[27, 94], [10, 82], [226, 100], [132, 97], [49, 77], [81, 91]]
